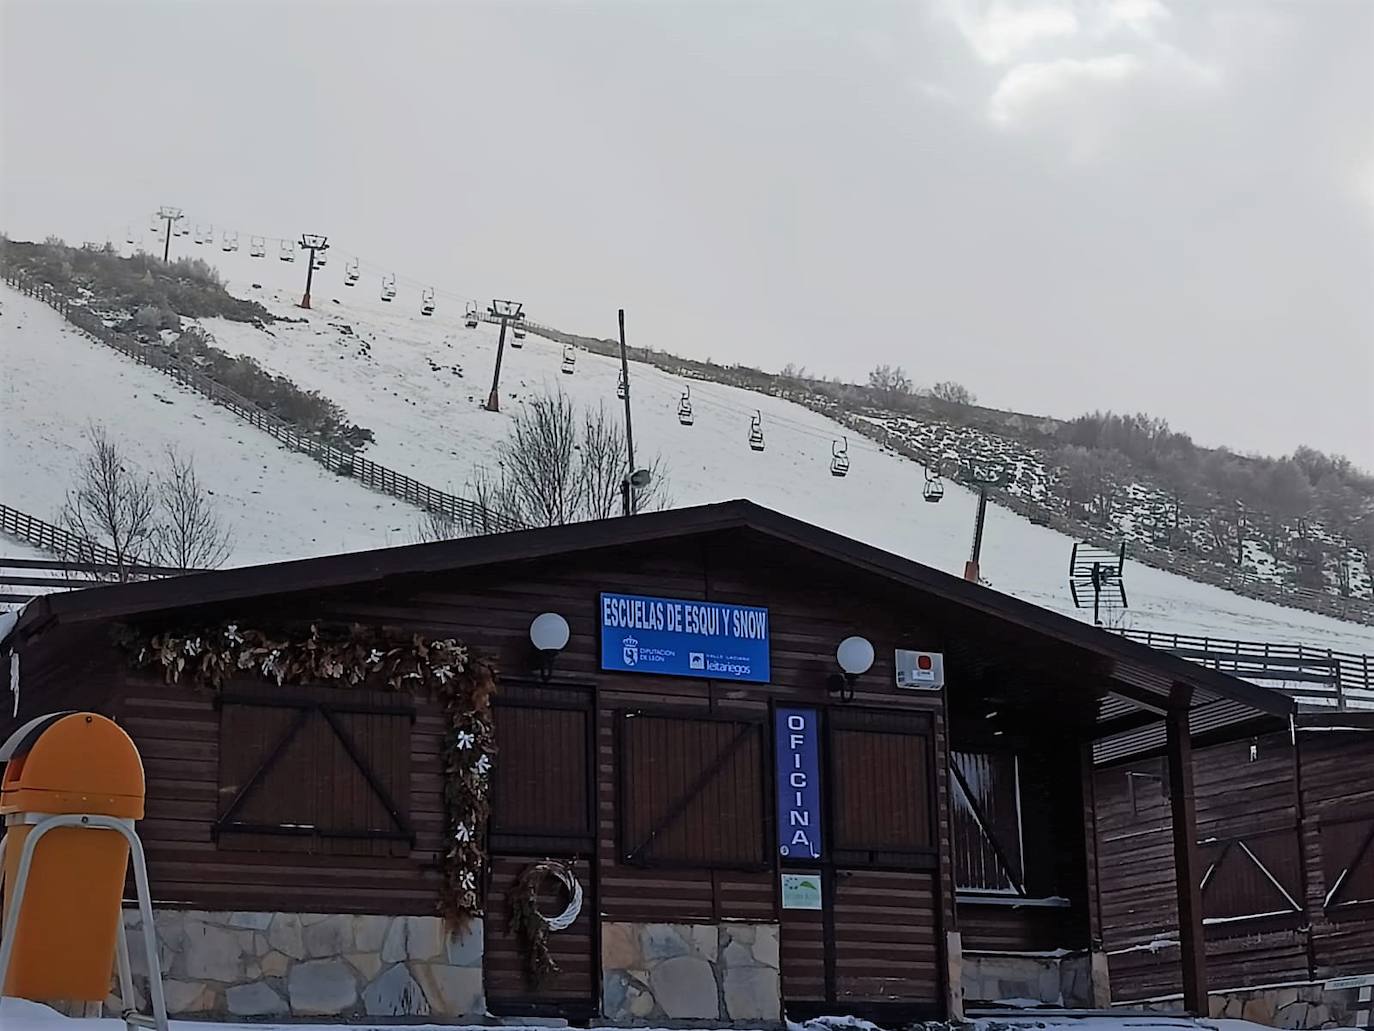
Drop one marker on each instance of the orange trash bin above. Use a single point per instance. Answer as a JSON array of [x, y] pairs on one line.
[[67, 763]]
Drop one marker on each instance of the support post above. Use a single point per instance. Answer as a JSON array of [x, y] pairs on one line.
[[1187, 862], [309, 278], [971, 566], [494, 398], [311, 243], [629, 431], [168, 215]]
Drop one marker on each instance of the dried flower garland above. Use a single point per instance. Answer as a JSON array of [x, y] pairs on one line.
[[370, 657]]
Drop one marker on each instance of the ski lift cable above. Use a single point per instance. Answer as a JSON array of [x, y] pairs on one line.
[[703, 394]]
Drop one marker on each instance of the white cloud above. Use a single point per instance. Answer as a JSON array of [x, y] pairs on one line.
[[1139, 16], [999, 31], [1035, 84]]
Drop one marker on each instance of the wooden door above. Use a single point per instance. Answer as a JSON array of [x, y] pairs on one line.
[[542, 808], [874, 948]]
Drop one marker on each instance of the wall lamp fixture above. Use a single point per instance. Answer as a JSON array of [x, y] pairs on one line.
[[549, 635], [855, 657]]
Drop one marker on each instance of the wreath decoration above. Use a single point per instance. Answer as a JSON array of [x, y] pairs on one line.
[[365, 657], [532, 927]]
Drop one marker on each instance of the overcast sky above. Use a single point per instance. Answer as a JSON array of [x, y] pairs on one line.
[[1149, 205]]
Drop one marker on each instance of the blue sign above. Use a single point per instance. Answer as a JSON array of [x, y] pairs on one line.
[[795, 734], [678, 638]]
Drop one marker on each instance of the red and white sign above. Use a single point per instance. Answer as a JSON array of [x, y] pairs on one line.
[[920, 671]]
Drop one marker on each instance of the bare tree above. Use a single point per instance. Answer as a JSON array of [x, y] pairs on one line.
[[113, 503], [537, 458], [188, 533], [555, 468], [890, 380], [601, 469], [436, 526], [953, 393]]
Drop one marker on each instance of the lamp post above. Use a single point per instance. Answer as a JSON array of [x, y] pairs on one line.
[[626, 493], [311, 242], [506, 311]]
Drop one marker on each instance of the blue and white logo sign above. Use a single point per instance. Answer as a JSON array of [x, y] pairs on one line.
[[675, 637], [795, 734]]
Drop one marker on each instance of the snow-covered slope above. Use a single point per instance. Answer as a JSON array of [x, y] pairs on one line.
[[393, 370], [56, 381]]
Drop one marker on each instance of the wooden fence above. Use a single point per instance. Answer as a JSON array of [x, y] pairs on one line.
[[52, 538], [1320, 676], [80, 563], [343, 461]]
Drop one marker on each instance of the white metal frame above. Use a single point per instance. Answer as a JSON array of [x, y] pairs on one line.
[[43, 823]]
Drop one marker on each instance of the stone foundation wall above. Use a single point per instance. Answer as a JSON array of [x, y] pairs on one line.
[[310, 964], [656, 972], [1054, 980], [1309, 1006], [1305, 1006]]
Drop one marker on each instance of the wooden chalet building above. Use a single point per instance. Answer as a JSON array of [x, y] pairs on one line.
[[751, 830]]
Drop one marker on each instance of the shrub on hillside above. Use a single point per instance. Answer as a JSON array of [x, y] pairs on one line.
[[189, 287], [306, 410]]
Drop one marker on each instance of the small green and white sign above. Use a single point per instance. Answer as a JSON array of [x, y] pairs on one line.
[[801, 891]]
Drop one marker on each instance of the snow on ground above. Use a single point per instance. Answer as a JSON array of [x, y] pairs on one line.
[[278, 504], [393, 371], [22, 1015]]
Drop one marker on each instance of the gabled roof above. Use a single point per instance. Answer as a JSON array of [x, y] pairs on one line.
[[1142, 678]]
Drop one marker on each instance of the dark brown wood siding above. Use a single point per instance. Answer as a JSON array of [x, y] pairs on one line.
[[1270, 815], [895, 877]]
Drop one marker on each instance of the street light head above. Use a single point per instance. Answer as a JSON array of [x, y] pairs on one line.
[[639, 479]]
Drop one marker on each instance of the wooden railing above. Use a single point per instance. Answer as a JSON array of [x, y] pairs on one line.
[[52, 538], [1321, 676], [79, 562], [343, 461]]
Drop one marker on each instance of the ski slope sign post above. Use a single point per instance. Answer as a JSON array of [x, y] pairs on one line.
[[682, 638]]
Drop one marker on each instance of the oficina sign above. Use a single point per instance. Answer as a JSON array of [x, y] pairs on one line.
[[799, 787], [681, 638]]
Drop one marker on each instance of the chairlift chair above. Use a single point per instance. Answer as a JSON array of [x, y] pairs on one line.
[[684, 407], [231, 242], [351, 273], [204, 234], [518, 333], [287, 252], [257, 247], [569, 360], [620, 386], [389, 288], [129, 234], [756, 431], [934, 488], [427, 301], [470, 315], [839, 457], [154, 225], [321, 259]]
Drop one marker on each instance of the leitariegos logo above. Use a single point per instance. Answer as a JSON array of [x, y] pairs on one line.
[[631, 652]]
